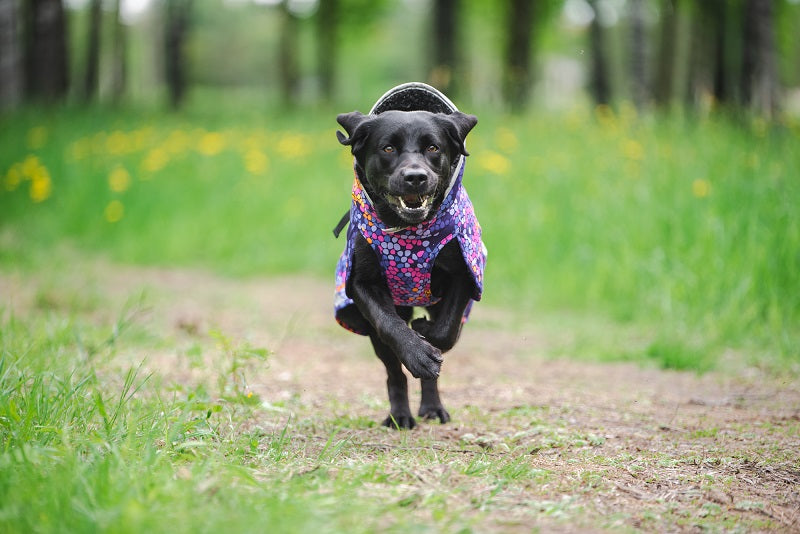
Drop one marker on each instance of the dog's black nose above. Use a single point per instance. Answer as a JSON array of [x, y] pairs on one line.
[[415, 177]]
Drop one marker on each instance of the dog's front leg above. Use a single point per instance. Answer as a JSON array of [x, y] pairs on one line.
[[454, 283], [397, 386], [372, 297]]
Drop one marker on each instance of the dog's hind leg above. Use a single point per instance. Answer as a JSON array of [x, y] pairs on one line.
[[431, 406], [397, 384]]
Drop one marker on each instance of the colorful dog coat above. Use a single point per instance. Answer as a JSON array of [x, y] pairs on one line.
[[407, 255]]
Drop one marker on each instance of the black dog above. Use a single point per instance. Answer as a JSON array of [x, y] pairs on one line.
[[405, 251]]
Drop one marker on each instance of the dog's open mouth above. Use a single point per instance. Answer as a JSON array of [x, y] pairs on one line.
[[411, 203]]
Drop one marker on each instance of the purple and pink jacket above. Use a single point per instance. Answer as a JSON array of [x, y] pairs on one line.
[[407, 255]]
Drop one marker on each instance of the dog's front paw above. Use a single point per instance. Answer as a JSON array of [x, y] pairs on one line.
[[422, 359], [400, 422]]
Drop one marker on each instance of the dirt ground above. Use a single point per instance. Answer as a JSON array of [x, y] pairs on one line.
[[659, 449]]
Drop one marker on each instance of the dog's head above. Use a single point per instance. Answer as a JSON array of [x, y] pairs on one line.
[[405, 158]]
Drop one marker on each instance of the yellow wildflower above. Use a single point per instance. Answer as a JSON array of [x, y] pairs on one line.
[[13, 177], [494, 162], [211, 144], [506, 140], [118, 143], [29, 166], [632, 149], [294, 146], [256, 162], [701, 188], [155, 160], [119, 180], [114, 211], [141, 138], [41, 186], [605, 115]]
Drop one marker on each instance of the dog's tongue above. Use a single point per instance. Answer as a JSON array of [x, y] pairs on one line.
[[412, 201]]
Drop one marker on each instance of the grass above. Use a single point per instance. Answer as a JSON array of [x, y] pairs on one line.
[[688, 227], [97, 437], [80, 452]]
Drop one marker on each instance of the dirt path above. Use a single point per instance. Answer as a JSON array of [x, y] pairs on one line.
[[652, 447]]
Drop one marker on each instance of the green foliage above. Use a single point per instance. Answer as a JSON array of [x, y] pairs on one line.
[[689, 226], [82, 453]]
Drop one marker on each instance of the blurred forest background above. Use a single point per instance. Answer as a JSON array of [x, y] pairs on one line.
[[635, 161], [510, 54]]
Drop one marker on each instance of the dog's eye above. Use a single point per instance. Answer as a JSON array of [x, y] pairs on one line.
[[388, 149], [433, 148]]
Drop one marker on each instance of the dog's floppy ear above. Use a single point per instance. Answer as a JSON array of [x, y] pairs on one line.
[[457, 125], [354, 124]]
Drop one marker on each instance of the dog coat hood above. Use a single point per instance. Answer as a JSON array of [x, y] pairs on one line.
[[407, 255]]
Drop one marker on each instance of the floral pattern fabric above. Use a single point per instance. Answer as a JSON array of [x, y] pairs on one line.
[[407, 255]]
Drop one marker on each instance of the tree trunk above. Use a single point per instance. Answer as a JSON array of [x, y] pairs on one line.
[[92, 51], [517, 78], [708, 80], [119, 64], [598, 80], [327, 34], [698, 62], [10, 73], [638, 57], [759, 79], [445, 70], [177, 25], [718, 17], [288, 60], [46, 74], [665, 66]]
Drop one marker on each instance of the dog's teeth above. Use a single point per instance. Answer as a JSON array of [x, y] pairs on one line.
[[422, 200]]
